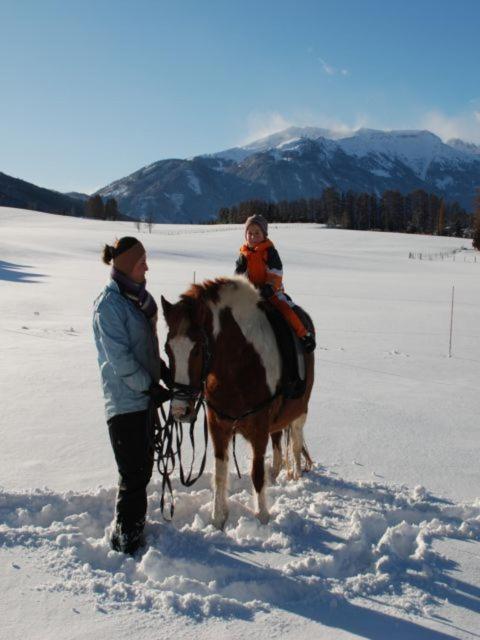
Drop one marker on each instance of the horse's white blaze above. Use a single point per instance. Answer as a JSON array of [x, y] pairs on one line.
[[242, 298], [181, 347]]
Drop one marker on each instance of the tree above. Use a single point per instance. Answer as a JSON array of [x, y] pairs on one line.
[[94, 208], [441, 218], [332, 205], [111, 209], [150, 220], [476, 222]]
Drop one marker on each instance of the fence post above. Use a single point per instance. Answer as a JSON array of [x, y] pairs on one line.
[[451, 323]]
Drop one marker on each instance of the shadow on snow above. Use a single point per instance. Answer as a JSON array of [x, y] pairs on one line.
[[13, 272]]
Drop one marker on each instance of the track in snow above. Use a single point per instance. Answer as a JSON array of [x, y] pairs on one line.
[[328, 541]]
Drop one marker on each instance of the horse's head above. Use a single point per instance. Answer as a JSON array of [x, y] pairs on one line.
[[187, 348]]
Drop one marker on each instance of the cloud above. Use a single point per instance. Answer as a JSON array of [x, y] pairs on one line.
[[329, 70], [262, 124], [332, 71], [464, 125]]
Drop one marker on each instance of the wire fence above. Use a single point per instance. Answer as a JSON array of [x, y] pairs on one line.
[[467, 255]]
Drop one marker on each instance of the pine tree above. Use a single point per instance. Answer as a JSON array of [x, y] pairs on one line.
[[111, 209], [476, 222], [94, 208], [441, 218]]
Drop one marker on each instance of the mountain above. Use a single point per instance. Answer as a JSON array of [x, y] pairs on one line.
[[24, 195], [77, 195], [468, 147], [299, 163]]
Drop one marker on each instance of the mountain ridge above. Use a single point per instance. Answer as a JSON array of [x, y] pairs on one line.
[[299, 162]]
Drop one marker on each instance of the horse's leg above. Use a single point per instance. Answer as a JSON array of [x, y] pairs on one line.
[[297, 444], [220, 503], [258, 476], [277, 454]]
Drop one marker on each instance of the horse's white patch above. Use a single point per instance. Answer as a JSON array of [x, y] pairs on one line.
[[181, 347], [220, 503], [242, 298]]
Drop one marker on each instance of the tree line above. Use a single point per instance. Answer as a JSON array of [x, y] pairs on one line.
[[96, 209], [414, 212], [476, 222]]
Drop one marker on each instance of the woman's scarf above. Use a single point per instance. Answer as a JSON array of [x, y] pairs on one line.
[[138, 294]]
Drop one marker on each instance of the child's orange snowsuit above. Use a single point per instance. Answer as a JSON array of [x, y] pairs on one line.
[[263, 266]]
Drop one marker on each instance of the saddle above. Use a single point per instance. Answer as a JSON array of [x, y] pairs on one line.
[[291, 350]]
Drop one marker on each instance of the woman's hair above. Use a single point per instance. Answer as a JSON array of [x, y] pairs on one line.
[[110, 252]]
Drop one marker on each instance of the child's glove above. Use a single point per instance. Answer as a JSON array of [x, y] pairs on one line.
[[266, 291]]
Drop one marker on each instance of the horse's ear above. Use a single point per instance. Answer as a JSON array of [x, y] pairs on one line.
[[166, 306]]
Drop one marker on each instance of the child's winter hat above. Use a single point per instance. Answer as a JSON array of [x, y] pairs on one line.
[[257, 219]]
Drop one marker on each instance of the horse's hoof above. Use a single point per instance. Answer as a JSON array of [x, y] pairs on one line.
[[219, 522], [263, 516], [274, 473]]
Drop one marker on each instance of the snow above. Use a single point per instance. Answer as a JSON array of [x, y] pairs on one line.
[[193, 182], [176, 198], [417, 149], [444, 182], [381, 173], [467, 147], [380, 540], [282, 140]]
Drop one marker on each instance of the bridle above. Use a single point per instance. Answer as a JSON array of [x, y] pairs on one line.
[[172, 431], [189, 392]]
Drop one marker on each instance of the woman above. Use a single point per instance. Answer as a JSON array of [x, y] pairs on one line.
[[124, 324]]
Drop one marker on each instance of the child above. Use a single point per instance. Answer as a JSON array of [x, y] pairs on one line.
[[260, 261]]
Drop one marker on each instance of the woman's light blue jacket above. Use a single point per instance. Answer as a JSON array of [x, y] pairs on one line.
[[128, 353]]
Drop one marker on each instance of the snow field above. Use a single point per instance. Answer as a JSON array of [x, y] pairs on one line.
[[328, 540], [380, 540]]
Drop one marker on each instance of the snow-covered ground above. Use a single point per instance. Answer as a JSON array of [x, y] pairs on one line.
[[381, 540]]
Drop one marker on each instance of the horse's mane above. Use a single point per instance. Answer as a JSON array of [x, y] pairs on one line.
[[211, 290], [237, 290]]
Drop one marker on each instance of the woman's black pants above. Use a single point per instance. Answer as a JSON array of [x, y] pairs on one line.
[[131, 435]]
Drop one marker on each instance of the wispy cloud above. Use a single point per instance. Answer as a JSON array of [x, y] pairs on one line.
[[262, 124], [331, 70], [464, 125]]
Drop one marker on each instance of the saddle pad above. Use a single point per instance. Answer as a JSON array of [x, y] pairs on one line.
[[291, 351]]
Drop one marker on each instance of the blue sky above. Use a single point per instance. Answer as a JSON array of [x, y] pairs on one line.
[[93, 90]]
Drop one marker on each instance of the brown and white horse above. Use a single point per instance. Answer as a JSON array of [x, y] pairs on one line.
[[220, 341]]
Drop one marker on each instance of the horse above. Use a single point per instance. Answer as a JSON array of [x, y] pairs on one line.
[[220, 343]]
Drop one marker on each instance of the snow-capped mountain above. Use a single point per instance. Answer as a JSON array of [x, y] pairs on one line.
[[468, 147], [300, 163], [280, 140]]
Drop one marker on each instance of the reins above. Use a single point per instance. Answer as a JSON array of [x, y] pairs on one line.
[[168, 436], [167, 444], [237, 419]]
